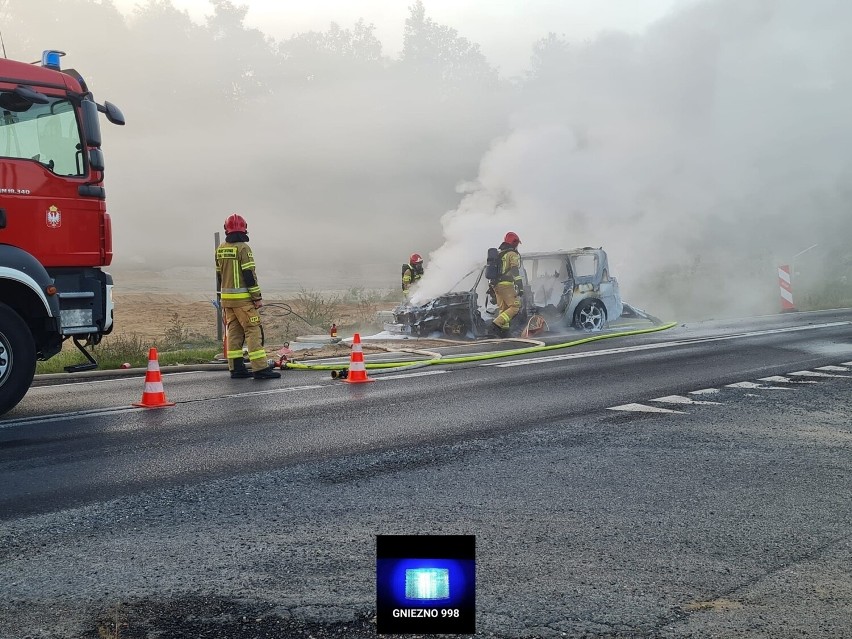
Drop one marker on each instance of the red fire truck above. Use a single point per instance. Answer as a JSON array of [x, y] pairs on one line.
[[55, 233]]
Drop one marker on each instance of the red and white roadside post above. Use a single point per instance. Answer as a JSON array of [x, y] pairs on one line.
[[786, 288]]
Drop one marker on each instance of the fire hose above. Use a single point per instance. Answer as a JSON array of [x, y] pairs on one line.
[[396, 366]]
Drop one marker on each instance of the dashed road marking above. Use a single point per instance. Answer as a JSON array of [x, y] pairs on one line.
[[785, 380], [680, 399], [687, 401], [753, 386], [817, 374], [642, 408]]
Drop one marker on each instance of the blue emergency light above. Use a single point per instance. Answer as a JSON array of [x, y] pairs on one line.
[[50, 59], [427, 583]]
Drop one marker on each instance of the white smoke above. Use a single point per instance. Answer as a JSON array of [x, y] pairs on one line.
[[700, 155]]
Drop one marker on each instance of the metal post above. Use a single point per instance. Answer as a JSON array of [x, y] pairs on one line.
[[219, 316]]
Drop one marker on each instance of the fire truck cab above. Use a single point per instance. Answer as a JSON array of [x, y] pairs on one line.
[[55, 232]]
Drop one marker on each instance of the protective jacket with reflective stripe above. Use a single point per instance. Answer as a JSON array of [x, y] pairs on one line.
[[510, 265], [235, 271], [411, 275]]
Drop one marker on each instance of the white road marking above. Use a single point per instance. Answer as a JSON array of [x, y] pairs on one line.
[[785, 380], [817, 374], [680, 399], [271, 391], [704, 391], [80, 414], [752, 385], [117, 378], [838, 369], [404, 375], [642, 408], [645, 347]]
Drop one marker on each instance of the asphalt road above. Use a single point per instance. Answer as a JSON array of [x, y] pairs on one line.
[[655, 485]]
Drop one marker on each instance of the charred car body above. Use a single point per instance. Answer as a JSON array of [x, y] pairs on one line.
[[566, 288]]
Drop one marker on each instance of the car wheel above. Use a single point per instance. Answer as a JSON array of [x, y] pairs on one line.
[[590, 315], [455, 326]]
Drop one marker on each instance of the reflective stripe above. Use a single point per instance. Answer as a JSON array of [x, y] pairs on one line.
[[232, 273], [235, 354], [257, 355]]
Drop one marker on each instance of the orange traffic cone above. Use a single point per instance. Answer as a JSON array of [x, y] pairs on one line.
[[154, 396], [357, 371]]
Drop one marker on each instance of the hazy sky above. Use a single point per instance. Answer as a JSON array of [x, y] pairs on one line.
[[504, 29], [701, 142]]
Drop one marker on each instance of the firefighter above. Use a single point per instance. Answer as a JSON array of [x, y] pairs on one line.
[[509, 287], [241, 299], [411, 273]]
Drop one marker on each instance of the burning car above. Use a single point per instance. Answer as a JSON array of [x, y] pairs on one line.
[[567, 287]]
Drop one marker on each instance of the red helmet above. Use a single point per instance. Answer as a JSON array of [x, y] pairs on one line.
[[512, 238], [415, 258], [236, 223]]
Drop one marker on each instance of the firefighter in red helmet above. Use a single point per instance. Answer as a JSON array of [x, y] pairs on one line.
[[240, 294], [509, 287], [411, 273]]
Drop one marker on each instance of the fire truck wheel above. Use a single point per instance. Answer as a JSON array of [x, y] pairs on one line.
[[17, 358]]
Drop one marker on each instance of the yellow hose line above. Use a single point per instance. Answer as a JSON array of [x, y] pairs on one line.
[[479, 358]]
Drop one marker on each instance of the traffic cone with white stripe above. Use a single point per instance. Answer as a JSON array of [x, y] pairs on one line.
[[154, 395], [357, 371]]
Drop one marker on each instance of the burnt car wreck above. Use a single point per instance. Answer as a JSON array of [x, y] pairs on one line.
[[568, 288]]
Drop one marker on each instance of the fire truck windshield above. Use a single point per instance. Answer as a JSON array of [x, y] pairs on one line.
[[46, 133]]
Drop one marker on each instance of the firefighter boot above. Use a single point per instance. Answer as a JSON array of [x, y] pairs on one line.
[[497, 331], [240, 371], [267, 373]]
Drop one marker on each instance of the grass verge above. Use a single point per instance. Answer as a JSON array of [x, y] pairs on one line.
[[112, 352]]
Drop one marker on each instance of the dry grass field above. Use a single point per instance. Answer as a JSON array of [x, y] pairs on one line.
[[156, 316]]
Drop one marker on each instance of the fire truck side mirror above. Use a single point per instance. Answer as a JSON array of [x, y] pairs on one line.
[[90, 123], [112, 112]]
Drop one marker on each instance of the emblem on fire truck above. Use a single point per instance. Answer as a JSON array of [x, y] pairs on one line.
[[54, 217]]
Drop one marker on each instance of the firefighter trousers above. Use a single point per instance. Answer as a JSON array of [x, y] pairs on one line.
[[508, 303], [243, 324]]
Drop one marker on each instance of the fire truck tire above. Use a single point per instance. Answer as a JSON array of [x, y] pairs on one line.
[[17, 358]]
